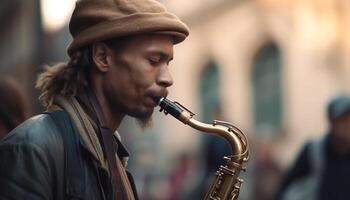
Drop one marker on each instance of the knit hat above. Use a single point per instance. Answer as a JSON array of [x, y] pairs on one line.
[[98, 20], [338, 106]]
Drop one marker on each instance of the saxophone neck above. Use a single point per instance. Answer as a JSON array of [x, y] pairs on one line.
[[237, 140]]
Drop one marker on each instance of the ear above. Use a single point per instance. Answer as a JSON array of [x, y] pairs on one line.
[[99, 56]]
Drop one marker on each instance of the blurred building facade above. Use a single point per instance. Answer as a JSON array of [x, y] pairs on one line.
[[21, 39], [303, 47], [25, 45], [278, 62], [267, 66]]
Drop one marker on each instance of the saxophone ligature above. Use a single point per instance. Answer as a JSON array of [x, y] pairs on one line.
[[226, 184]]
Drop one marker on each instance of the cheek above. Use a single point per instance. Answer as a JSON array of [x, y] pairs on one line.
[[132, 77], [143, 81], [144, 77]]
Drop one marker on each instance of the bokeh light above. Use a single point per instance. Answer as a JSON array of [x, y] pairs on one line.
[[55, 14]]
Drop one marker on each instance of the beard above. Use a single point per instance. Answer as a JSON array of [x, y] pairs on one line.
[[144, 119], [144, 122]]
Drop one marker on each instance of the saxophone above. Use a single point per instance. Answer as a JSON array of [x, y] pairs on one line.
[[227, 183]]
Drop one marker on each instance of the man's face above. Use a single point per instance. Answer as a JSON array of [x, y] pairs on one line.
[[139, 74], [341, 129]]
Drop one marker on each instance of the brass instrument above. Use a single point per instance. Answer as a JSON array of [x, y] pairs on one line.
[[227, 183]]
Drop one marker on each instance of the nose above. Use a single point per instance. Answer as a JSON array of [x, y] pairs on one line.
[[164, 78]]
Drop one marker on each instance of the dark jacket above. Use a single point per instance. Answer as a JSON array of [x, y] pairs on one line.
[[40, 161]]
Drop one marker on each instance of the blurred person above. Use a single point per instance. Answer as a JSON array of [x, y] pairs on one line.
[[181, 177], [266, 170], [118, 66], [13, 105], [322, 169]]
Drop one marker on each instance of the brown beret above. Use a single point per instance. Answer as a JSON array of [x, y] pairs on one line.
[[98, 20]]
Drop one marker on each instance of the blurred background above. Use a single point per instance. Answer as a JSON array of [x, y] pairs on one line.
[[267, 66]]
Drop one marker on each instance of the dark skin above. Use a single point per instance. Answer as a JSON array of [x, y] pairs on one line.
[[3, 130], [127, 80], [341, 134]]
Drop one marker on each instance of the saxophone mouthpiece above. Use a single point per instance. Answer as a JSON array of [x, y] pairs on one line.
[[169, 107], [160, 100]]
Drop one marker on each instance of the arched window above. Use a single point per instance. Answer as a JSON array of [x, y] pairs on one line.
[[266, 78], [209, 90]]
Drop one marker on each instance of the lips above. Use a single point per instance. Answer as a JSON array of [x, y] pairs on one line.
[[156, 99], [156, 96], [151, 102]]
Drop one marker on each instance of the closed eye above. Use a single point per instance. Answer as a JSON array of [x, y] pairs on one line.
[[154, 60], [159, 58]]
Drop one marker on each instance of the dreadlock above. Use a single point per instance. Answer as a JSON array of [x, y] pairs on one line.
[[65, 79]]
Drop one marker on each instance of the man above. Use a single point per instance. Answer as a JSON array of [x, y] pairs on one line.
[[321, 171], [119, 66], [13, 105]]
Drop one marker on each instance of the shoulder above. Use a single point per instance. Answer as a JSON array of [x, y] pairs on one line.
[[39, 131]]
